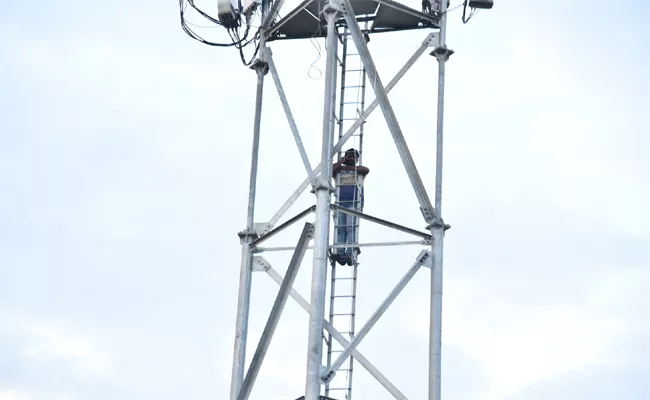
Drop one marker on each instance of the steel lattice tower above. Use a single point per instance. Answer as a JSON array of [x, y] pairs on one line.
[[340, 23]]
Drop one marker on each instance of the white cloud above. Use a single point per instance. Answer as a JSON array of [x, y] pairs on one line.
[[14, 394], [42, 343], [25, 394], [50, 341]]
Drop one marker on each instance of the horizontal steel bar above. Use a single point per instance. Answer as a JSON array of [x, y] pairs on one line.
[[380, 221], [343, 246]]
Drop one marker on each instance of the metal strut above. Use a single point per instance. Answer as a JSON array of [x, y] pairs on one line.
[[247, 237], [343, 281], [322, 223], [438, 227]]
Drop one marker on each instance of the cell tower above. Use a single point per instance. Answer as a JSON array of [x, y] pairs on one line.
[[337, 183]]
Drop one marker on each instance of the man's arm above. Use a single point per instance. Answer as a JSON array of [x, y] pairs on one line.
[[363, 171], [336, 168], [359, 169]]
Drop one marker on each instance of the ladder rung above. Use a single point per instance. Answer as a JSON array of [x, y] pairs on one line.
[[343, 295], [354, 70], [343, 315], [353, 86], [344, 279]]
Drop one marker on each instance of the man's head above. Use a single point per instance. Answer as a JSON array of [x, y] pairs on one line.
[[351, 157]]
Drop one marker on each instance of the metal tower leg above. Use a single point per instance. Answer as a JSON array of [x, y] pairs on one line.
[[438, 227], [343, 285], [321, 237], [245, 276]]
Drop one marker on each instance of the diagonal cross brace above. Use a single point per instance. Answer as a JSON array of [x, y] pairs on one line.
[[283, 226], [289, 114], [303, 186], [276, 312], [386, 108], [396, 393], [359, 336]]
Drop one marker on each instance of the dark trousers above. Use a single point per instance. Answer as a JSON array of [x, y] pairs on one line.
[[347, 225]]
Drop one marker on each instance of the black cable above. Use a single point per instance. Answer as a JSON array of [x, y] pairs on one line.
[[193, 34], [454, 8], [208, 17], [238, 41], [241, 42], [236, 38], [199, 26], [471, 13]]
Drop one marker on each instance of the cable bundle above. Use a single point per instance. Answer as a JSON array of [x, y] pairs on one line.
[[238, 39]]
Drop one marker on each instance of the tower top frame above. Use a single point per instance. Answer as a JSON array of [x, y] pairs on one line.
[[308, 20]]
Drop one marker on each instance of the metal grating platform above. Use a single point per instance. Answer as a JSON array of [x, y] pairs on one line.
[[306, 20]]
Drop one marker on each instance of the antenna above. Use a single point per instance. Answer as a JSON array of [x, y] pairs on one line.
[[338, 183]]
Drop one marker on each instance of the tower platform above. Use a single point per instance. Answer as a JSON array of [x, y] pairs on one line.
[[306, 21]]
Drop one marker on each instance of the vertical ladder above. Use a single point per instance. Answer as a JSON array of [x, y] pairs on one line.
[[343, 286]]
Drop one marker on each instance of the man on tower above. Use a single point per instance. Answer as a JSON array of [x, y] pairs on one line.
[[349, 179]]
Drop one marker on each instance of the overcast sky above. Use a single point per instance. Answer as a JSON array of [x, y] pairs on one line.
[[124, 162]]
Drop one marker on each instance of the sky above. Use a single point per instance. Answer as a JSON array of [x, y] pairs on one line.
[[124, 165]]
